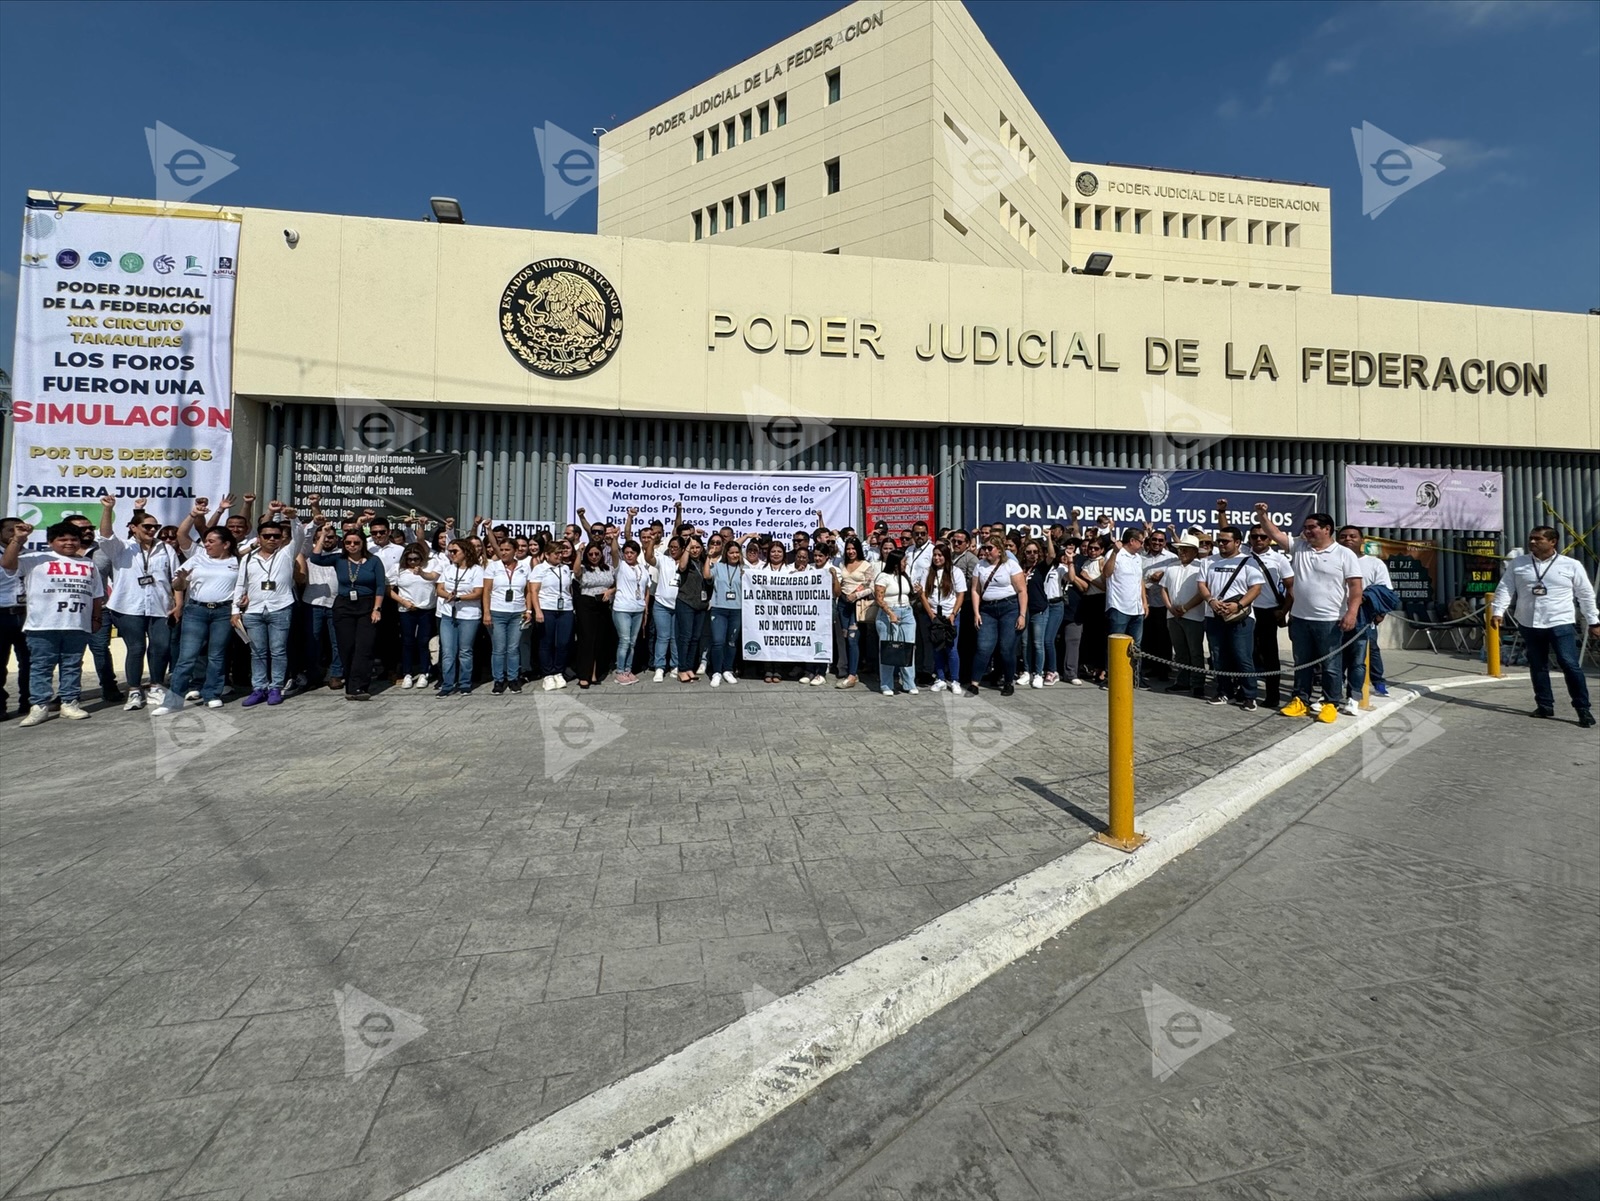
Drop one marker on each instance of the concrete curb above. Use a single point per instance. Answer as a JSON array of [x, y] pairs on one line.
[[630, 1138]]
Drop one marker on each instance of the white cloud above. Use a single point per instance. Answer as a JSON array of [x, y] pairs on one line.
[[1338, 66], [1463, 154], [1229, 108], [1279, 74]]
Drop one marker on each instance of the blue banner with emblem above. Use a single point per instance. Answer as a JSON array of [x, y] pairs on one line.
[[1036, 495]]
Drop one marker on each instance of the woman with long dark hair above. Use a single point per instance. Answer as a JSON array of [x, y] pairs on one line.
[[415, 590], [893, 592], [998, 600], [359, 588], [663, 567], [693, 608], [727, 613], [943, 594], [460, 594], [597, 584], [204, 586], [552, 601], [853, 604], [1092, 609]]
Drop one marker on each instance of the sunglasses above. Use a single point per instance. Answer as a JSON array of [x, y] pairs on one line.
[[149, 529], [269, 534]]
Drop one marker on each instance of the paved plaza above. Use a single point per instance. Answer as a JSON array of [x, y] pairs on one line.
[[541, 894]]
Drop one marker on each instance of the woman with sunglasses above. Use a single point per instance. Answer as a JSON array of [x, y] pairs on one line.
[[141, 605], [416, 591], [510, 608], [204, 587], [813, 675], [359, 588], [550, 596], [693, 608], [597, 584], [998, 599], [263, 604], [459, 592], [1092, 610]]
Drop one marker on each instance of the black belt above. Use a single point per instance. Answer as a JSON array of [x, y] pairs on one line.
[[213, 604], [1060, 600], [18, 609]]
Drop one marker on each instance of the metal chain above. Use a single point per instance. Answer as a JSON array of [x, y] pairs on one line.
[[1136, 652]]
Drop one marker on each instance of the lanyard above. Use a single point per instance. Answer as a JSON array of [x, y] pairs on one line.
[[1538, 576], [351, 576], [266, 572]]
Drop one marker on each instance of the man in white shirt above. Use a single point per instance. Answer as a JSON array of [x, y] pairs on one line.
[[1186, 616], [12, 638], [65, 597], [1156, 559], [387, 549], [1326, 608], [1229, 584], [263, 603], [1123, 581], [1271, 610], [141, 604], [1548, 588], [1373, 571], [918, 559]]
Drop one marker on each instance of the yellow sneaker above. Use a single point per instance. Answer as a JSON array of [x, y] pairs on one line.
[[1328, 714], [1295, 708]]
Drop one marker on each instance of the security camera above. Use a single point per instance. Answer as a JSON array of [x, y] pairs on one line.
[[292, 237]]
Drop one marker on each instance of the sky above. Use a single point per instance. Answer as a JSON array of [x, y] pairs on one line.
[[372, 108]]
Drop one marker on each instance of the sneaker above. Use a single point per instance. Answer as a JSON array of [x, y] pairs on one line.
[[818, 681], [192, 695], [1585, 718], [1022, 679], [912, 691], [1295, 708], [111, 694], [730, 678], [888, 692], [1349, 709], [37, 716], [627, 677], [168, 707], [256, 697], [1219, 699], [847, 682], [1249, 706], [660, 675], [716, 681], [1327, 715], [299, 680], [1380, 690], [499, 687], [515, 685], [135, 701], [73, 710], [940, 686], [364, 697], [214, 703], [445, 692], [1075, 682], [1051, 679], [549, 684], [405, 682], [561, 681], [1036, 682], [274, 696], [155, 694]]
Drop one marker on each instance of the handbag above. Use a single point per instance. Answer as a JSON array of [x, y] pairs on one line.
[[941, 632]]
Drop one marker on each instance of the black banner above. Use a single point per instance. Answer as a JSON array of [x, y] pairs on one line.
[[394, 484]]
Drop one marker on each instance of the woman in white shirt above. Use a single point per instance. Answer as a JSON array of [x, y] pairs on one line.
[[894, 595], [998, 600], [1092, 608], [628, 603], [205, 586], [415, 591], [812, 675], [316, 594], [943, 594], [510, 607], [853, 604], [551, 598], [141, 603], [663, 603], [459, 590]]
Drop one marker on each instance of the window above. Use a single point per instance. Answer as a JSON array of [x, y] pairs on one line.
[[1018, 148], [761, 202], [778, 191], [1291, 235], [1166, 224], [1205, 228], [697, 225], [727, 213], [1272, 233], [744, 124], [714, 140], [744, 208], [711, 219], [1078, 214], [1099, 217], [699, 147], [955, 223], [1225, 230], [1140, 216], [835, 250], [1252, 235], [832, 168], [763, 113], [1116, 220], [728, 125], [833, 87], [1188, 221], [782, 105]]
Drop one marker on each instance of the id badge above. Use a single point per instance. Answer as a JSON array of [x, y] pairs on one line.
[[511, 594], [1539, 590], [146, 580], [727, 596], [354, 595], [269, 585]]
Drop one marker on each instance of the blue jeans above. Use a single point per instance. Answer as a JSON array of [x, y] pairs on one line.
[[416, 628], [49, 649], [1561, 639], [1355, 662], [1131, 624], [320, 627], [505, 630], [144, 635], [456, 636], [947, 659], [1233, 649], [1312, 640], [1037, 648], [269, 647], [627, 626], [665, 650], [688, 632], [203, 630], [846, 611], [555, 641], [1055, 614], [726, 625], [904, 631], [999, 628]]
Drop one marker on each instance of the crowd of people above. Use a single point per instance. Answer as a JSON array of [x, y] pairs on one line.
[[300, 600]]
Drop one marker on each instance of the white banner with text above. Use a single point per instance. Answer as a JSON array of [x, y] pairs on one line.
[[788, 618], [1424, 498], [752, 502]]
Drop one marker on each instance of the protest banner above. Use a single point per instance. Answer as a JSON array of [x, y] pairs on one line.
[[394, 484], [1424, 498], [788, 618], [777, 502], [899, 500], [1413, 569]]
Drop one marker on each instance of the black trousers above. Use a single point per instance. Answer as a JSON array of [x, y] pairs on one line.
[[592, 618], [1156, 642], [355, 633], [1266, 655], [924, 668], [12, 639]]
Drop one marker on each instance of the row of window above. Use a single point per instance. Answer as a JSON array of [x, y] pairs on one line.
[[1066, 268], [1018, 149], [752, 206], [1181, 225], [1019, 227], [754, 122]]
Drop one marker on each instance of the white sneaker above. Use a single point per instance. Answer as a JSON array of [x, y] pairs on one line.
[[716, 681], [155, 695], [956, 690], [214, 704], [912, 691], [405, 681], [37, 716], [173, 704], [192, 695], [561, 681], [73, 710], [1036, 682], [940, 686], [660, 675], [1350, 709], [549, 684], [1022, 679], [135, 701], [1075, 682], [730, 677], [888, 692]]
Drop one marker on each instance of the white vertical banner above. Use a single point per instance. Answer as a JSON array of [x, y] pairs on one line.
[[1424, 498], [124, 359]]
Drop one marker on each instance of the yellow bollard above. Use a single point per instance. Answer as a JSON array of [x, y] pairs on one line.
[[1491, 642], [1366, 679], [1119, 711]]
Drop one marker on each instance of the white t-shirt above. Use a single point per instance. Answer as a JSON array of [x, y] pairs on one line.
[[501, 580], [210, 581], [1125, 586], [419, 591], [944, 605], [633, 585], [389, 556], [1154, 564], [996, 582], [1182, 583], [896, 589], [321, 583], [61, 591], [460, 581], [665, 575], [1224, 584], [1278, 570], [555, 587], [1374, 571], [1319, 579]]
